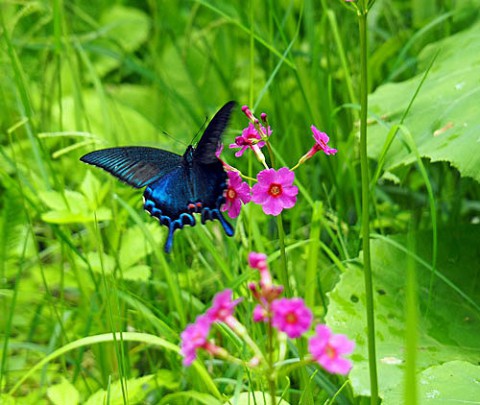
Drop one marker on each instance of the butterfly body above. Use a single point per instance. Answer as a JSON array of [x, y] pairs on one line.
[[176, 186]]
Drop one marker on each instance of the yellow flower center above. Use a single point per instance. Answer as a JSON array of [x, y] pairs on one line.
[[330, 351], [275, 190], [231, 194], [291, 318]]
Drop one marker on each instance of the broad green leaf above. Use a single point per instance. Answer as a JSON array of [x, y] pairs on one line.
[[104, 264], [136, 389], [63, 393], [167, 379], [92, 190], [134, 247], [68, 200], [141, 272], [455, 382], [444, 119], [68, 217], [70, 207], [449, 329]]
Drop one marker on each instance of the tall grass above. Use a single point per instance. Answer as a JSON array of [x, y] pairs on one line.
[[87, 295]]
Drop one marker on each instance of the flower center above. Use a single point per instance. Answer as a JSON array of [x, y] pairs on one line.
[[275, 190], [330, 352], [291, 318], [231, 194]]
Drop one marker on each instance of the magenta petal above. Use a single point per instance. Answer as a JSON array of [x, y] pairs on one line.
[[342, 344], [291, 191], [266, 176], [273, 206], [286, 175]]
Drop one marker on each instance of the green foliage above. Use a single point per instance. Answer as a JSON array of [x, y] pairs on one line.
[[452, 382], [79, 260], [450, 314], [443, 120]]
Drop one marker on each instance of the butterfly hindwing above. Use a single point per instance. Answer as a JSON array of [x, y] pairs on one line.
[[135, 165], [169, 200], [206, 178]]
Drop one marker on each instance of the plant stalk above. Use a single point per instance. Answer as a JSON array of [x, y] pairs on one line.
[[362, 18]]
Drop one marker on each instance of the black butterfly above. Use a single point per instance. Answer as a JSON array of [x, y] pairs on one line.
[[177, 186]]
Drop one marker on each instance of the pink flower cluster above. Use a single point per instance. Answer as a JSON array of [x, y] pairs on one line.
[[274, 189], [195, 335], [287, 315]]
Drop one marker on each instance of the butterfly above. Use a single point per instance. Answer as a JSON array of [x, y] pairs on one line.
[[176, 186]]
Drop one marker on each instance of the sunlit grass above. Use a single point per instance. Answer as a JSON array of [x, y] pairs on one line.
[[85, 286]]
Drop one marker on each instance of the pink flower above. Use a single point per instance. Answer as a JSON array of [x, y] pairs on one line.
[[247, 112], [222, 307], [321, 139], [260, 314], [250, 138], [194, 337], [292, 316], [238, 192], [274, 190], [257, 261], [327, 349]]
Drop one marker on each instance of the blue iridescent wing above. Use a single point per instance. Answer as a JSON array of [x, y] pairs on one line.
[[210, 182], [207, 146], [177, 186], [135, 165], [171, 201]]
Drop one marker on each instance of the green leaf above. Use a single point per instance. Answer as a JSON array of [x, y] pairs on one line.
[[63, 393], [444, 117], [141, 272], [134, 247], [92, 190], [448, 329], [167, 379], [136, 389], [186, 397], [455, 382], [67, 217], [71, 207], [104, 264], [70, 200], [256, 397], [7, 399]]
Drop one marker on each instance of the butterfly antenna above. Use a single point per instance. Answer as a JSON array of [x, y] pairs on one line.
[[200, 131], [174, 139]]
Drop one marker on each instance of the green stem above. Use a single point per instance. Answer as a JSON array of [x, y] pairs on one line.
[[362, 18], [283, 257], [270, 368]]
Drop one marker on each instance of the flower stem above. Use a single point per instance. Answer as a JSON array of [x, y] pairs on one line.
[[362, 18], [270, 369], [283, 257]]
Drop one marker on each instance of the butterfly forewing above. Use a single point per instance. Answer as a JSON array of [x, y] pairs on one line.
[[208, 144], [135, 165]]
